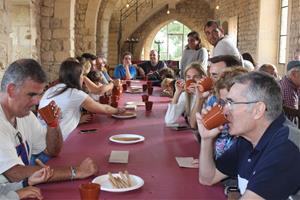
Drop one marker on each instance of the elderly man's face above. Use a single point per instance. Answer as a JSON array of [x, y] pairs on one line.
[[213, 34], [23, 98], [240, 116], [295, 77], [153, 56]]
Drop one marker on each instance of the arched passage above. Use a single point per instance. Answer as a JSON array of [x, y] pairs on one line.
[[150, 27]]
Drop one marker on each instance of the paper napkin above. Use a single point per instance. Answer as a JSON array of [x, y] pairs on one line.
[[187, 162], [118, 157]]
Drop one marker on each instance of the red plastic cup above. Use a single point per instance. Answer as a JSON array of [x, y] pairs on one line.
[[89, 191], [206, 84], [145, 98], [104, 99], [114, 98], [124, 86], [145, 86], [150, 90], [214, 118], [114, 104], [47, 113], [148, 105], [116, 91], [149, 84], [188, 83]]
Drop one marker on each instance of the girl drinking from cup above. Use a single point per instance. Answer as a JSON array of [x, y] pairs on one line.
[[186, 100]]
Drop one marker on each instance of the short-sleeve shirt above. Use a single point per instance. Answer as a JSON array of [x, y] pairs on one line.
[[148, 67], [120, 72], [33, 135], [271, 168], [69, 102]]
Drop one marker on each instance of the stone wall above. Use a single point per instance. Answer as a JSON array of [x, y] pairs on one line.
[[5, 40], [21, 31], [81, 45], [56, 34], [193, 14], [248, 21], [294, 33]]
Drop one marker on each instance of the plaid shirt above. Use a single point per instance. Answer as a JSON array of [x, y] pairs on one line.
[[290, 93]]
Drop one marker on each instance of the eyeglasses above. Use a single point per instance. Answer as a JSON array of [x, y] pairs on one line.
[[230, 102]]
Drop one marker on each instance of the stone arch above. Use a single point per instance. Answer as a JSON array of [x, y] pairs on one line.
[[151, 36], [189, 17], [103, 25]]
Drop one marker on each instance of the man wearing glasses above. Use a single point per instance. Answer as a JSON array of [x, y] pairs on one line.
[[21, 134], [265, 157]]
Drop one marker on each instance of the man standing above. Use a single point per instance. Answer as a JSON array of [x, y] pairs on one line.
[[223, 44], [290, 85], [21, 134], [259, 158], [152, 67]]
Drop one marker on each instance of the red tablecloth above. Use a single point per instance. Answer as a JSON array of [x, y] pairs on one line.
[[153, 160]]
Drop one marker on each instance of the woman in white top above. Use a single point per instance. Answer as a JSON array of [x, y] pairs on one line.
[[193, 52], [69, 96], [186, 100]]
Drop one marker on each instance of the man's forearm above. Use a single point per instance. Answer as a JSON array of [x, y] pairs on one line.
[[207, 167], [19, 172], [54, 141]]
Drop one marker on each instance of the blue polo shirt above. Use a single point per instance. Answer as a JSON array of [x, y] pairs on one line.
[[272, 168], [120, 72]]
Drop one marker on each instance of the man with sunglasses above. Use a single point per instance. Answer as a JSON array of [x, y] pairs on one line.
[[265, 157], [21, 134]]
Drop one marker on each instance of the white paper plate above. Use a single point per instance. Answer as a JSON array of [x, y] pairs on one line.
[[137, 182], [137, 103], [127, 138], [124, 116]]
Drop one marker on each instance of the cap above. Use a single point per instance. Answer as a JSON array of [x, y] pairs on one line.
[[292, 64]]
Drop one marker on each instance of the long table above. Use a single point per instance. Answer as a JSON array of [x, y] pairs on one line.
[[153, 160]]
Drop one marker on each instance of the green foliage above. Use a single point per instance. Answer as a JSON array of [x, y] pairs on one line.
[[173, 38]]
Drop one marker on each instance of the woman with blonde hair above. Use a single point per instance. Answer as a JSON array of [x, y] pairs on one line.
[[186, 100]]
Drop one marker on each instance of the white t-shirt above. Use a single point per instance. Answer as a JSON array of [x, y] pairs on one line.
[[175, 110], [69, 102], [191, 55], [33, 133], [226, 46]]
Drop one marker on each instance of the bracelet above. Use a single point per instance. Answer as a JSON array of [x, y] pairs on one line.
[[25, 182], [73, 173]]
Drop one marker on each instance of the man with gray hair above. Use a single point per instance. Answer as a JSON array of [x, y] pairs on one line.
[[290, 85], [265, 157], [21, 134]]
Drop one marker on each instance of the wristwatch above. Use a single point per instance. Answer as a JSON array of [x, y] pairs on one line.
[[73, 172]]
